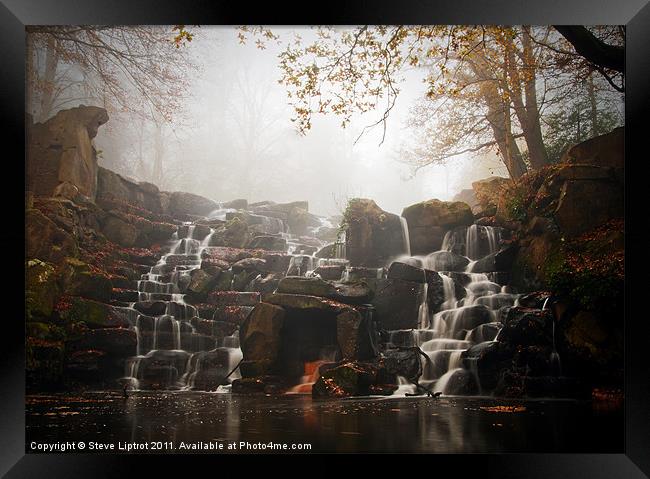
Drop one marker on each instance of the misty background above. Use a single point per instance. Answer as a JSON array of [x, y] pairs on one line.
[[234, 139]]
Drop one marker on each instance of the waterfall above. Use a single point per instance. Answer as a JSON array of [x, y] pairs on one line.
[[462, 321], [423, 311], [449, 290], [405, 236], [171, 331]]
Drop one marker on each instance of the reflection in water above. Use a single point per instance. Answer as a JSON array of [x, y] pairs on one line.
[[453, 424]]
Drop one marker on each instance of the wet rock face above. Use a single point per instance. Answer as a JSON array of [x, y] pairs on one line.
[[61, 150], [428, 222], [397, 303], [373, 236], [260, 334], [348, 379]]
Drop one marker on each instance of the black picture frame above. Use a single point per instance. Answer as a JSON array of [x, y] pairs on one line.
[[635, 14]]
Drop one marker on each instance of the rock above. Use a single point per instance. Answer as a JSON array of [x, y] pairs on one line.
[[201, 283], [233, 234], [484, 332], [249, 264], [118, 342], [300, 265], [465, 318], [502, 260], [355, 335], [42, 290], [80, 280], [304, 302], [228, 298], [239, 204], [95, 314], [397, 303], [460, 382], [405, 362], [229, 255], [308, 286], [151, 308], [119, 231], [373, 236], [330, 272], [327, 251], [356, 273], [406, 272], [428, 221], [527, 327], [269, 243], [352, 292], [534, 300], [469, 197], [446, 261], [488, 192], [115, 190], [435, 290], [603, 150], [266, 284], [592, 342], [299, 220], [348, 379], [45, 240], [603, 200], [61, 151], [260, 334], [276, 262], [181, 203], [232, 314], [214, 266]]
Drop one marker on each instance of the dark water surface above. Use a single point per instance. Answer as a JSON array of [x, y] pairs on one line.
[[444, 425]]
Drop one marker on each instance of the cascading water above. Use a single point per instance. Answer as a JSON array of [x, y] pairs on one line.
[[168, 350], [462, 321], [405, 236]]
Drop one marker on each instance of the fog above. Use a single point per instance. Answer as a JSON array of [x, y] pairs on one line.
[[234, 139]]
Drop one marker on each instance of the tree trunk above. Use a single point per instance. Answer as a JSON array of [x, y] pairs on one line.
[[498, 116], [592, 103], [525, 103], [49, 79]]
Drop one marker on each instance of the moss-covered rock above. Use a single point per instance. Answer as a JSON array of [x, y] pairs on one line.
[[42, 289], [81, 279]]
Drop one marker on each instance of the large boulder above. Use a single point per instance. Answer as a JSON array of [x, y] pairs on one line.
[[397, 303], [268, 242], [309, 286], [428, 221], [61, 150], [348, 379], [373, 236], [355, 335], [119, 231], [234, 234], [488, 192], [260, 334], [181, 203], [603, 150], [113, 189], [602, 199]]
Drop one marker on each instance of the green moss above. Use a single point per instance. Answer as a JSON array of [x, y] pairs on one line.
[[42, 289], [86, 311], [594, 290]]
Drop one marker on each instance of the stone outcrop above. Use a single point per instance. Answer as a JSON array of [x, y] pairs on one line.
[[61, 151], [428, 221], [373, 236]]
